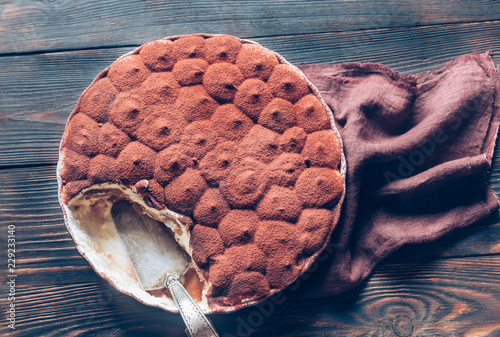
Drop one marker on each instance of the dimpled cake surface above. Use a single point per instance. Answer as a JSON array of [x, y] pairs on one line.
[[231, 138]]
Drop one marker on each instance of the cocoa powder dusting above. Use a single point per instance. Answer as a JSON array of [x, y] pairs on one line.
[[278, 115], [317, 187], [190, 71], [286, 83], [238, 227], [280, 272], [197, 139], [194, 103], [249, 285], [256, 61], [216, 164], [319, 149], [245, 184], [76, 166], [136, 162], [252, 97], [161, 128], [207, 242], [277, 238], [97, 100], [84, 133], [171, 163], [280, 203], [211, 208], [286, 168], [183, 192], [260, 143], [112, 140], [158, 55], [235, 260], [158, 88], [222, 80], [156, 194], [292, 140], [227, 136], [72, 188], [102, 169], [128, 72], [188, 47], [127, 113], [223, 48], [186, 221], [314, 225], [311, 115], [230, 123]]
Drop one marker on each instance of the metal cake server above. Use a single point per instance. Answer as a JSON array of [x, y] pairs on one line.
[[159, 262]]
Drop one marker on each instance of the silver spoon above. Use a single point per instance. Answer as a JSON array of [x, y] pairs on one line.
[[159, 262]]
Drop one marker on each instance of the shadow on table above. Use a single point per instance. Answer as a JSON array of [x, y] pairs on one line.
[[277, 316]]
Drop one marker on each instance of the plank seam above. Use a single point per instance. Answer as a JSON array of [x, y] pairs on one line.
[[62, 50], [28, 165]]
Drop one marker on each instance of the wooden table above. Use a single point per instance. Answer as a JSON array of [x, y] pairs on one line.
[[50, 50]]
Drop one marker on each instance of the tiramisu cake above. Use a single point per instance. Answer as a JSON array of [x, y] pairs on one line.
[[224, 142]]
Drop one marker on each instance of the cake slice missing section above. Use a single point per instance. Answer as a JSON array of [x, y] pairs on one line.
[[90, 215]]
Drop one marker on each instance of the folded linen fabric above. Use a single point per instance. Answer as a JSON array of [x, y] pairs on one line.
[[418, 150]]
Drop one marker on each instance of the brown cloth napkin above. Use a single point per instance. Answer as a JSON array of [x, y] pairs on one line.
[[418, 149]]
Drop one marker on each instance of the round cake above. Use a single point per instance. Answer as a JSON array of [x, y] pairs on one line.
[[224, 142]]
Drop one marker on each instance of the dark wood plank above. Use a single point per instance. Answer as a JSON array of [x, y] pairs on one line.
[[33, 129], [46, 254], [34, 108], [452, 297], [37, 25]]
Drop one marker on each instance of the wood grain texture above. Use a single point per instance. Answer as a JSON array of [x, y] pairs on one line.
[[50, 50], [46, 254], [34, 109], [37, 25], [452, 297]]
